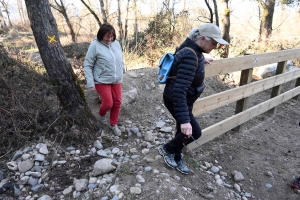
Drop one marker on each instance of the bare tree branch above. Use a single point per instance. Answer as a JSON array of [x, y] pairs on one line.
[[92, 12]]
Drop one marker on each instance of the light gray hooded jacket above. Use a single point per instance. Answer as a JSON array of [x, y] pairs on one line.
[[103, 63]]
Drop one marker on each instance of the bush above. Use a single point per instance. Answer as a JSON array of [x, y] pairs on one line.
[[158, 35]]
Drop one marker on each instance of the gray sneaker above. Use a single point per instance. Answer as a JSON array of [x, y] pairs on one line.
[[103, 120], [116, 130], [182, 168], [168, 157]]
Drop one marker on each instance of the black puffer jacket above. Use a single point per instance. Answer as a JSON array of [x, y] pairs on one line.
[[189, 83]]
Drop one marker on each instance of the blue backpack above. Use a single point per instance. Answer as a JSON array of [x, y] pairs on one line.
[[165, 66]]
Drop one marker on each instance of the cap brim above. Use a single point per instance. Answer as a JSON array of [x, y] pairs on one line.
[[220, 40]]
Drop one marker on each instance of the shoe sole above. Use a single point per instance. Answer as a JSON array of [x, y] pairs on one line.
[[159, 151], [162, 154], [186, 173], [295, 186], [103, 122], [117, 134]]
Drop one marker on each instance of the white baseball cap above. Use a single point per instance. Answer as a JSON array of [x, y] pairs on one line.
[[212, 31]]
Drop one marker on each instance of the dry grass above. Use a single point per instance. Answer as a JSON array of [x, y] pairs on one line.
[[29, 106], [66, 39], [134, 61], [24, 99]]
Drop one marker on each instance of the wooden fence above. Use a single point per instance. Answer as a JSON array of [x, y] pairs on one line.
[[245, 64]]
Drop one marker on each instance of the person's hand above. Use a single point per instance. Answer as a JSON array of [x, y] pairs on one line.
[[208, 60], [91, 89], [222, 46], [186, 129]]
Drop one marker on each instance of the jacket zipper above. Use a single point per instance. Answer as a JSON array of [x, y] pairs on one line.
[[114, 62]]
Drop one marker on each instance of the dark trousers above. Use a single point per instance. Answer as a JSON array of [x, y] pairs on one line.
[[175, 146]]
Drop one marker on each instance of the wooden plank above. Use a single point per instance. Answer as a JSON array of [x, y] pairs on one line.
[[218, 129], [215, 101], [228, 65], [241, 105], [281, 68]]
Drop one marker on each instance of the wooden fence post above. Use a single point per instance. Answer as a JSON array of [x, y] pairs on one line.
[[297, 84], [281, 68], [241, 105]]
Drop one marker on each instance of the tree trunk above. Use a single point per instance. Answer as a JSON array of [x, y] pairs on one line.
[[9, 21], [92, 12], [6, 10], [135, 20], [107, 3], [172, 17], [120, 24], [168, 15], [59, 69], [21, 11], [2, 21], [61, 8], [72, 33], [267, 11], [216, 12], [135, 17], [225, 24], [211, 19], [64, 13], [167, 4], [104, 17], [126, 21]]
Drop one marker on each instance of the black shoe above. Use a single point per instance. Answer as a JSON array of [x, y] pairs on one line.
[[296, 183], [168, 157], [182, 168]]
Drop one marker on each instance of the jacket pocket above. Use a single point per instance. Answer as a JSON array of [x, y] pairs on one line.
[[194, 93], [99, 73], [200, 89]]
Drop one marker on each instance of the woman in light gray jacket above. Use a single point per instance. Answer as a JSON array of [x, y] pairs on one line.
[[104, 68]]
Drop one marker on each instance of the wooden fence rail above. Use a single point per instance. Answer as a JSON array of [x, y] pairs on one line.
[[239, 94], [227, 65]]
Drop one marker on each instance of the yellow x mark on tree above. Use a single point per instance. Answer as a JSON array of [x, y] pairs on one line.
[[51, 38]]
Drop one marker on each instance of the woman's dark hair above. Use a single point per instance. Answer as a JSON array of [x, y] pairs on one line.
[[106, 28]]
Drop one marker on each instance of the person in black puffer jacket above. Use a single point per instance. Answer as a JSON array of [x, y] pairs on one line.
[[181, 93]]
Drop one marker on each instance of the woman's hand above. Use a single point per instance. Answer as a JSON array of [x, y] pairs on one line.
[[186, 129], [208, 60], [92, 89]]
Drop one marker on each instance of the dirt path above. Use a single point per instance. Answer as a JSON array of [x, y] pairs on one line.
[[266, 151]]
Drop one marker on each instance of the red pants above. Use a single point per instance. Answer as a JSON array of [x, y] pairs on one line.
[[111, 96]]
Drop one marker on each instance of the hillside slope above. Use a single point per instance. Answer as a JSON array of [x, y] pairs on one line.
[[264, 157]]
